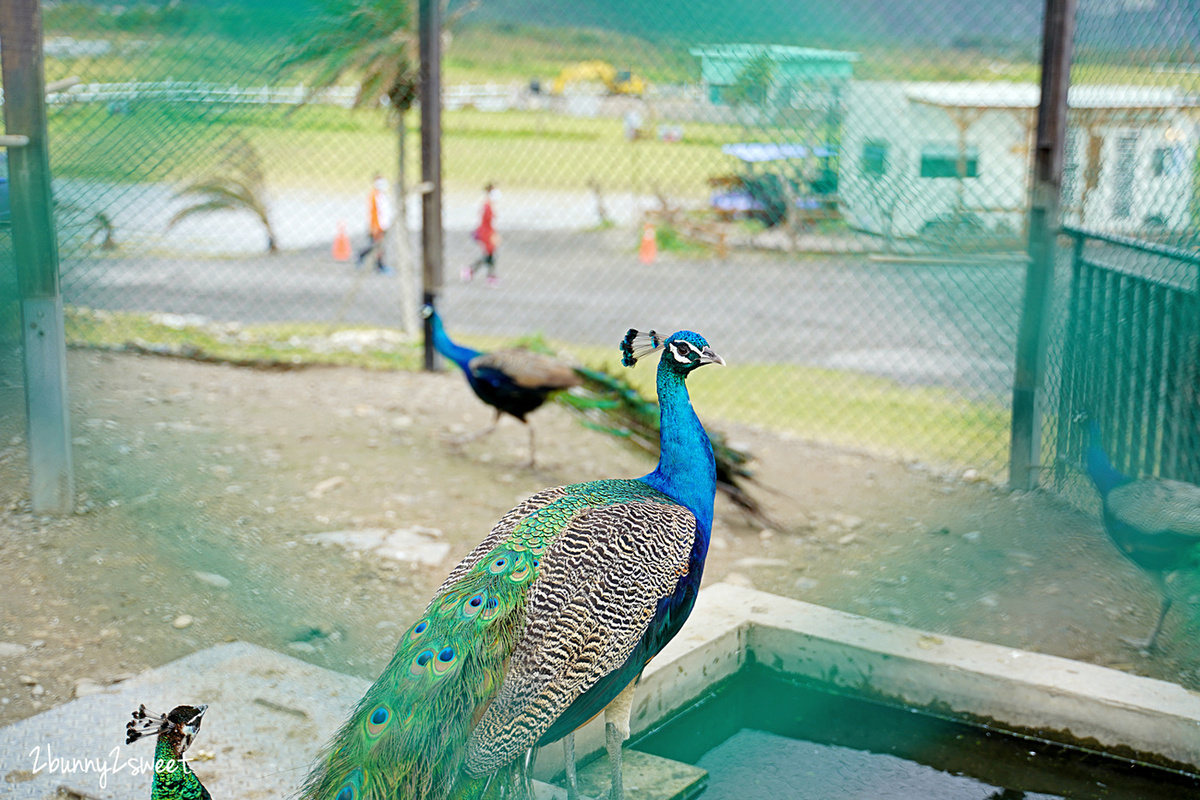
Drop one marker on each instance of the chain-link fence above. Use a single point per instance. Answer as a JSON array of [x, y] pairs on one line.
[[842, 211], [836, 196]]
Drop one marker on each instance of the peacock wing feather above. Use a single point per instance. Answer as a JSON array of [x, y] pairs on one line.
[[526, 369], [600, 582], [1158, 506]]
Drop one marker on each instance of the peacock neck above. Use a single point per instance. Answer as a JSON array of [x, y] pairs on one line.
[[457, 353], [171, 773], [686, 471], [1100, 468]]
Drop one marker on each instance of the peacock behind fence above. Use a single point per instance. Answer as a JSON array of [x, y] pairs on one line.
[[1154, 522]]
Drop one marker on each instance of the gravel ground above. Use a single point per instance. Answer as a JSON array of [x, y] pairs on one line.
[[204, 491]]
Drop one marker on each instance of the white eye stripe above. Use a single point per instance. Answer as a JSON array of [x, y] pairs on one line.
[[680, 350]]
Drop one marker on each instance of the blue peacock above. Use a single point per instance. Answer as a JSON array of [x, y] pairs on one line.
[[1154, 522], [513, 381], [173, 778], [548, 621]]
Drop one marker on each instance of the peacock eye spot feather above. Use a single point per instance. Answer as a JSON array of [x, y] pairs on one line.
[[378, 721], [492, 602], [447, 654], [424, 658], [476, 600], [421, 626], [347, 793]]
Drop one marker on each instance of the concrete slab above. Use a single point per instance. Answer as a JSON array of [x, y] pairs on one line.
[[268, 716]]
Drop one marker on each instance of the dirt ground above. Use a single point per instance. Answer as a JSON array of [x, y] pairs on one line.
[[198, 485]]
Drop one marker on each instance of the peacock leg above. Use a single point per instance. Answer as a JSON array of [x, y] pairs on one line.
[[614, 741], [532, 459], [479, 434], [1166, 606], [569, 766], [1147, 644], [616, 730]]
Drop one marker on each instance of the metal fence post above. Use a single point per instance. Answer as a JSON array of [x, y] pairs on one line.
[[1028, 385], [430, 28], [52, 483]]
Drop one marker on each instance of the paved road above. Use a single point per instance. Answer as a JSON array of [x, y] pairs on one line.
[[951, 326]]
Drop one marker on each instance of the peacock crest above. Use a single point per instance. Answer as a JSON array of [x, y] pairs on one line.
[[639, 344]]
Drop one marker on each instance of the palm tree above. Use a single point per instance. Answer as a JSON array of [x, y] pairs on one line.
[[237, 185], [373, 42]]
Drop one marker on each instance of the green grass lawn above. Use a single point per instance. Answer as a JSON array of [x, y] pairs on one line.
[[332, 149], [842, 408], [323, 148]]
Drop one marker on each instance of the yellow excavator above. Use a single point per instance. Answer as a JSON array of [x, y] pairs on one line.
[[614, 80]]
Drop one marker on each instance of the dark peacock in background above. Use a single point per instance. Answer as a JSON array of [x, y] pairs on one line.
[[1154, 522], [548, 621], [173, 778], [514, 381], [518, 380]]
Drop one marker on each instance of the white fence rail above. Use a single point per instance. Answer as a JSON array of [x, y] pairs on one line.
[[198, 92]]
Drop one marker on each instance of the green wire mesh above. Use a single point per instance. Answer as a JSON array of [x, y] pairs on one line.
[[836, 194]]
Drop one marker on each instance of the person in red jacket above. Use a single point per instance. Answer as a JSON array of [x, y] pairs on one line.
[[488, 239]]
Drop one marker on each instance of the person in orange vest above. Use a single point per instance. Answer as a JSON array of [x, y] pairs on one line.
[[380, 214], [488, 239]]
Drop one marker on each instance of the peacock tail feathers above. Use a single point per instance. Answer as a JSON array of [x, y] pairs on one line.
[[407, 735], [611, 404]]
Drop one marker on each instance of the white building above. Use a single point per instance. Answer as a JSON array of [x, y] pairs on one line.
[[916, 153]]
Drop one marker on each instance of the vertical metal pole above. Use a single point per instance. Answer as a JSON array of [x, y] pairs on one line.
[[430, 27], [52, 488], [1057, 40]]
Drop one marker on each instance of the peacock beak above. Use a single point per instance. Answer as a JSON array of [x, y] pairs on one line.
[[707, 356]]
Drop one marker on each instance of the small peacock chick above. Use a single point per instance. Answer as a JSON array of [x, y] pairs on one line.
[[547, 622], [173, 778], [1154, 522], [514, 381]]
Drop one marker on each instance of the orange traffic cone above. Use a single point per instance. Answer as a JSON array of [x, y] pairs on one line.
[[649, 249], [341, 244]]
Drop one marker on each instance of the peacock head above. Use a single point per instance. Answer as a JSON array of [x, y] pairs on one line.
[[180, 725], [684, 351]]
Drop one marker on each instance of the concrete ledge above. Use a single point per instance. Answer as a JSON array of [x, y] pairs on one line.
[[1062, 700], [270, 713]]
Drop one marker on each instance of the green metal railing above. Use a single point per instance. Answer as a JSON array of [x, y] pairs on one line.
[[1131, 356]]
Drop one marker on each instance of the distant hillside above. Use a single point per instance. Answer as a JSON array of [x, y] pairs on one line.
[[1007, 27], [1119, 24]]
